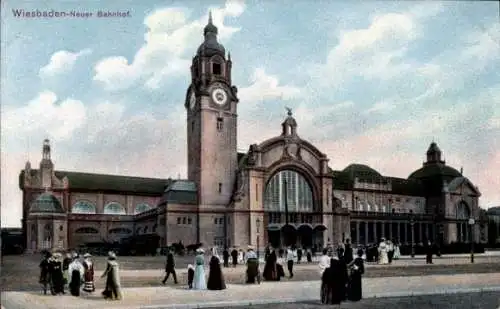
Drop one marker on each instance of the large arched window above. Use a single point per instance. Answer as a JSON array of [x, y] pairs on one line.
[[141, 208], [463, 212], [463, 228], [114, 208], [83, 207], [291, 186], [86, 230]]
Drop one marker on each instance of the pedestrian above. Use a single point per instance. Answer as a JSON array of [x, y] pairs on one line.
[[429, 252], [234, 257], [76, 272], [333, 282], [56, 274], [348, 252], [199, 281], [215, 277], [290, 256], [190, 272], [252, 266], [88, 277], [225, 257], [44, 279], [170, 268], [112, 273], [357, 269]]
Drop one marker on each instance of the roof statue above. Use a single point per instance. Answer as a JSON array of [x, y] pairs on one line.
[[288, 111]]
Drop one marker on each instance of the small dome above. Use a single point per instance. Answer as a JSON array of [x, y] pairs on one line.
[[210, 46], [433, 148], [46, 203]]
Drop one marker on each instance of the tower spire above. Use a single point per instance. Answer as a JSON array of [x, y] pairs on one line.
[[210, 21]]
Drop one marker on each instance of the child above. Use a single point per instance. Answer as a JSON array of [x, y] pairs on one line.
[[190, 276]]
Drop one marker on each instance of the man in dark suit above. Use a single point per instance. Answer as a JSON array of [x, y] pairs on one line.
[[170, 268]]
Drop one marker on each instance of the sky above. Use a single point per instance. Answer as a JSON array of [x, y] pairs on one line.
[[370, 82]]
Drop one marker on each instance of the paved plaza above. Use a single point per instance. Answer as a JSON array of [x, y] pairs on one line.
[[265, 293], [482, 300]]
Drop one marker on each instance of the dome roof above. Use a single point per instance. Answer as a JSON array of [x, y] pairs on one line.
[[433, 148], [46, 203], [361, 170], [435, 170], [210, 46]]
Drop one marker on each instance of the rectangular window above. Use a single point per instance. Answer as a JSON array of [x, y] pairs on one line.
[[216, 68], [220, 187], [256, 192], [192, 125], [184, 220], [189, 220], [216, 221], [220, 124], [179, 220]]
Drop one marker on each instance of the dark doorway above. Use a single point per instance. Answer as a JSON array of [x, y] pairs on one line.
[[274, 237], [305, 234], [289, 235]]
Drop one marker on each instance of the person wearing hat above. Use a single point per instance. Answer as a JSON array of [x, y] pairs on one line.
[[88, 276], [65, 264], [75, 275], [252, 266], [56, 274], [112, 274], [199, 282]]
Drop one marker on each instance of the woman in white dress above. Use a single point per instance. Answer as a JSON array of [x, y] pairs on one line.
[[382, 252], [199, 282], [397, 253]]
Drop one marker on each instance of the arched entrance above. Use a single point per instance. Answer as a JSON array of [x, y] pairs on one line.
[[305, 236], [317, 236], [289, 199]]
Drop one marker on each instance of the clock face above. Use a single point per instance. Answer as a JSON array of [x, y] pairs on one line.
[[219, 96], [192, 100]]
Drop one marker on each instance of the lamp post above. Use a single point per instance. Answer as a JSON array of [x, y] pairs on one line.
[[258, 238], [412, 223], [472, 222]]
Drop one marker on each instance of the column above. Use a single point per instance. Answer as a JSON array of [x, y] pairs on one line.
[[375, 236], [366, 233], [466, 234], [390, 231], [420, 232], [428, 232], [357, 232]]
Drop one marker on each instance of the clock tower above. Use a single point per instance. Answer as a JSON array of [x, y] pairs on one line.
[[211, 102]]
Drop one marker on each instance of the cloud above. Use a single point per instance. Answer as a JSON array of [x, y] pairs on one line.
[[381, 107], [167, 52], [45, 113], [62, 62], [265, 87]]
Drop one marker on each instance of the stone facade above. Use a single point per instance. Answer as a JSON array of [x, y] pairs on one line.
[[280, 191]]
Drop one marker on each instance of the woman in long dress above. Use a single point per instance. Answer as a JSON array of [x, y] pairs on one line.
[[75, 276], [333, 282], [397, 253], [357, 268], [199, 271], [88, 285], [112, 274], [382, 251], [215, 276], [270, 272], [56, 274]]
